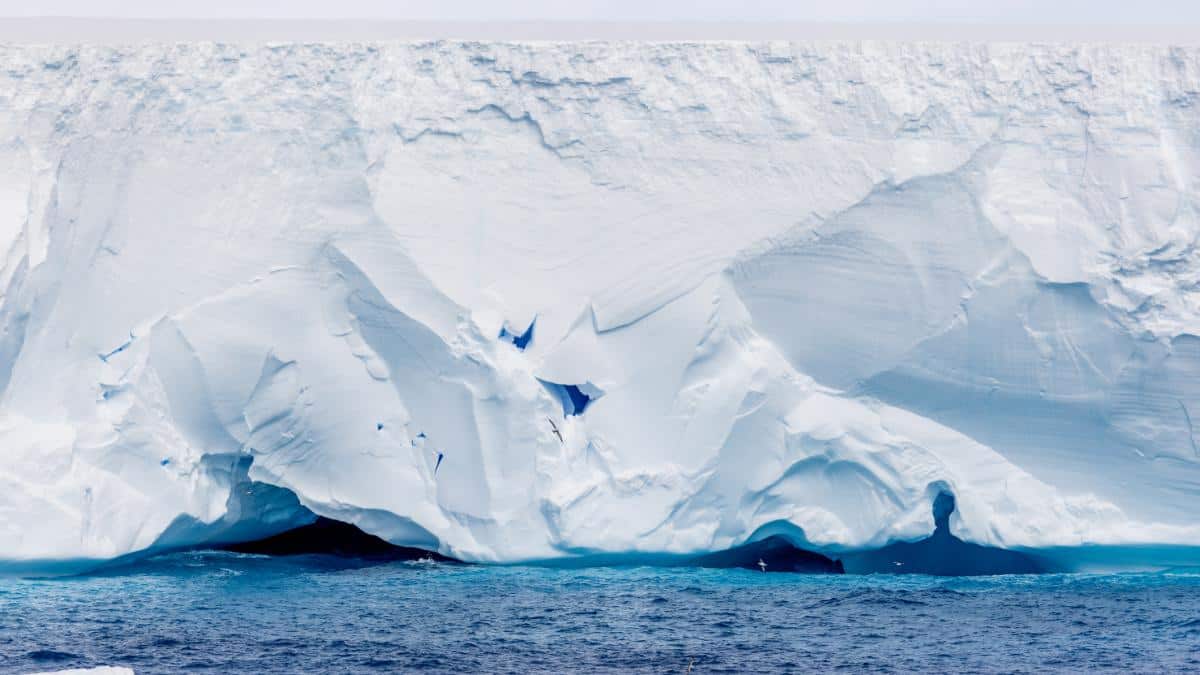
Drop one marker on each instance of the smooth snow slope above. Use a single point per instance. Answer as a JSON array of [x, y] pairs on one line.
[[801, 289]]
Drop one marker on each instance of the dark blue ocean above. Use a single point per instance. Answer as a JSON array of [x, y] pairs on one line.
[[228, 612]]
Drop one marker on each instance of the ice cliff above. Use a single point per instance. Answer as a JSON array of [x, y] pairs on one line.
[[528, 301]]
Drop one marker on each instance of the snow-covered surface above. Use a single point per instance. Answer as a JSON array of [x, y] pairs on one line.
[[804, 288], [1146, 28]]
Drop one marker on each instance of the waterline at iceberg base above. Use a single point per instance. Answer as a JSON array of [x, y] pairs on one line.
[[545, 302]]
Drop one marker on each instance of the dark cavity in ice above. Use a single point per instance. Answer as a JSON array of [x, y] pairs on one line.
[[575, 398], [944, 554], [332, 537], [773, 554], [519, 341]]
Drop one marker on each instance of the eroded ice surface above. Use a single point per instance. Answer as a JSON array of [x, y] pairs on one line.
[[516, 301]]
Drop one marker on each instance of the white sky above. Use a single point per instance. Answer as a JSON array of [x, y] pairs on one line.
[[1114, 12]]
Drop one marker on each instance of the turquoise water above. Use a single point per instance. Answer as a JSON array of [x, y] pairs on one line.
[[229, 612]]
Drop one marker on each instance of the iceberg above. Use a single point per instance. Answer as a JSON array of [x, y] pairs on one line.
[[540, 301]]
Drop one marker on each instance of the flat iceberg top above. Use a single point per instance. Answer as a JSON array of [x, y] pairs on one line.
[[1148, 28], [514, 301]]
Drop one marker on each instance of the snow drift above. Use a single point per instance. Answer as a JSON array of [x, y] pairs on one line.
[[528, 301]]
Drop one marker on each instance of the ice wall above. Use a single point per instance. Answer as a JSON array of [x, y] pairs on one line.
[[520, 301]]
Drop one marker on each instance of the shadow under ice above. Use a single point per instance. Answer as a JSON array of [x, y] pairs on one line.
[[944, 554], [331, 537]]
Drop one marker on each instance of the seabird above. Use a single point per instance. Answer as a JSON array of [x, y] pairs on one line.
[[554, 427], [762, 565]]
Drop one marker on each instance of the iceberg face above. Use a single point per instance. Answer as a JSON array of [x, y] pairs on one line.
[[531, 301]]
